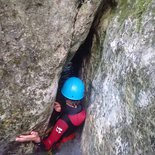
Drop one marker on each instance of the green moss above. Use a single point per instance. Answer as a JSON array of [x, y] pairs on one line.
[[123, 6], [153, 11], [140, 7], [133, 8]]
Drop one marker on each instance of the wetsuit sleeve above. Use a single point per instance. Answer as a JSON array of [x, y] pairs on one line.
[[59, 129]]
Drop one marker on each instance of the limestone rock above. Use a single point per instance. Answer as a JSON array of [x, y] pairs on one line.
[[121, 76], [35, 39]]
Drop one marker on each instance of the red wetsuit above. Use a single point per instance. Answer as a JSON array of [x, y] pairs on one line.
[[75, 116]]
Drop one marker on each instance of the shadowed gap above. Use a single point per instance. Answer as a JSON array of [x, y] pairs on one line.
[[71, 69]]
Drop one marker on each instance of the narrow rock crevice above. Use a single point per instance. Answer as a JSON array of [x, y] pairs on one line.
[[84, 50], [74, 68]]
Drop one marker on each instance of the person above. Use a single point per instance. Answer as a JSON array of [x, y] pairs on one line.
[[72, 116]]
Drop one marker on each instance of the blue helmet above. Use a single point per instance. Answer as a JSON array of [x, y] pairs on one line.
[[73, 89]]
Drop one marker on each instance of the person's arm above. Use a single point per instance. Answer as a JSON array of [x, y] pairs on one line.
[[34, 136], [58, 130]]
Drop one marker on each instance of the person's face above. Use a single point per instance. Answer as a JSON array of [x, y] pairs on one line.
[[69, 101], [72, 102]]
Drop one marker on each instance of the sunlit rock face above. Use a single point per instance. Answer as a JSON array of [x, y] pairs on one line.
[[35, 39], [120, 79]]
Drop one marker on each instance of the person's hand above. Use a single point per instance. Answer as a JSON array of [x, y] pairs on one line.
[[57, 106], [33, 136]]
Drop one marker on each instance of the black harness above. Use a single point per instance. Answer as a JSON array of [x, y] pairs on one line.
[[64, 117]]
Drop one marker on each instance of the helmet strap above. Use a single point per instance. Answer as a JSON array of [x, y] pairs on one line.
[[72, 103]]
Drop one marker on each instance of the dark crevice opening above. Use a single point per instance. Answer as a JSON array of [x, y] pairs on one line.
[[73, 67]]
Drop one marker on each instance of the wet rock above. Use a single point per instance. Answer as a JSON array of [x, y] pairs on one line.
[[120, 77], [35, 39]]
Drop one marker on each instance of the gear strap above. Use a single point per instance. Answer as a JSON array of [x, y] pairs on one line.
[[71, 127]]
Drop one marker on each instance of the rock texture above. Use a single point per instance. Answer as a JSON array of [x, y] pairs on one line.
[[35, 40], [121, 76]]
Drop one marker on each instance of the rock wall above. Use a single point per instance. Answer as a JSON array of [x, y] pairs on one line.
[[120, 79], [36, 37]]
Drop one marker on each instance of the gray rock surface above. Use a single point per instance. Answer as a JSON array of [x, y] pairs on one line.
[[121, 76], [35, 40], [37, 37]]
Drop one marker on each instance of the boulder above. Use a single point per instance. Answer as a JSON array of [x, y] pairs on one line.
[[36, 38]]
